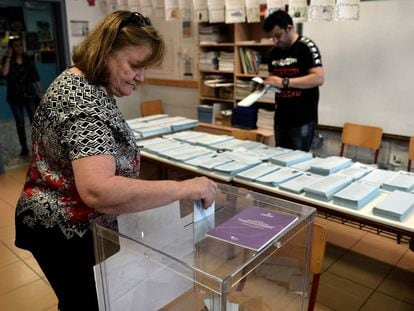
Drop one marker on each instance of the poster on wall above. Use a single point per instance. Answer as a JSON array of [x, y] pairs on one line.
[[79, 28], [44, 31]]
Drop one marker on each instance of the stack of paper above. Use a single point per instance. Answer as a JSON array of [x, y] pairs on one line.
[[357, 170], [234, 144], [306, 165], [184, 124], [356, 195], [403, 181], [330, 165], [213, 162], [396, 206], [209, 140], [291, 158], [297, 184], [325, 188], [165, 146], [184, 135], [378, 176], [152, 141], [153, 130], [257, 171], [186, 153], [234, 167], [277, 177]]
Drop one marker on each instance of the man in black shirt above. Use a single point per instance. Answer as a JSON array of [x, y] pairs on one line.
[[295, 66]]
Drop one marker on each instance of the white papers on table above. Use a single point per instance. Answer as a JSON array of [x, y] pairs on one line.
[[356, 195], [291, 158], [168, 144], [403, 181], [325, 188], [185, 135], [396, 206], [258, 171], [235, 143], [209, 139], [378, 176], [306, 165], [330, 165], [234, 167], [296, 185], [277, 177], [357, 170], [188, 152]]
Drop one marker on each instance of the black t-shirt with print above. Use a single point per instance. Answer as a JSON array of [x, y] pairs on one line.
[[295, 107]]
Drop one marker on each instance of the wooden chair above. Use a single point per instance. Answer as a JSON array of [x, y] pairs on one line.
[[318, 252], [410, 153], [151, 107], [246, 135], [362, 136]]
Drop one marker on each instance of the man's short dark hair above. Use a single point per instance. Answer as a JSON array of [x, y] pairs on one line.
[[277, 18]]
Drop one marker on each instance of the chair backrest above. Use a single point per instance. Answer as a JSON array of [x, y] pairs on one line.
[[317, 254], [362, 136], [151, 107], [245, 135], [410, 152]]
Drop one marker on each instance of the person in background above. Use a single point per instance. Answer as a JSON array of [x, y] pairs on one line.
[[85, 160], [21, 76], [295, 66]]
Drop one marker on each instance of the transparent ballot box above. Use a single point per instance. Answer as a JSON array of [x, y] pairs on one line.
[[161, 259]]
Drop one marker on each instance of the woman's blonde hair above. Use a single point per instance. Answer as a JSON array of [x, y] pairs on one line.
[[116, 32]]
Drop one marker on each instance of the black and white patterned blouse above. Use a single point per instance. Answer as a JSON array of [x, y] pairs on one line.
[[75, 119]]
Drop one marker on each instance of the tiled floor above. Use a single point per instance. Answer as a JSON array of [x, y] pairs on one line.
[[362, 271]]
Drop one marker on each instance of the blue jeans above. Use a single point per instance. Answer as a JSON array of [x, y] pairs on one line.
[[17, 108], [297, 138]]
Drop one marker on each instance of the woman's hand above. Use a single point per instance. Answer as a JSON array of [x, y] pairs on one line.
[[200, 188]]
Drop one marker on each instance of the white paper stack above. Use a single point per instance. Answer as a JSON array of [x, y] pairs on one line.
[[234, 144], [277, 177], [167, 145], [403, 181], [396, 206], [234, 167], [297, 184], [209, 140], [357, 170], [257, 171], [378, 176], [184, 135], [356, 195], [291, 158], [188, 152], [330, 165], [325, 188], [306, 165], [153, 130], [214, 161]]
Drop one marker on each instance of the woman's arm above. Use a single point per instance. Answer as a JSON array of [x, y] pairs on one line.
[[100, 188]]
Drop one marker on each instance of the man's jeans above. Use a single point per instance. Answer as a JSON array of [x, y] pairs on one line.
[[296, 138]]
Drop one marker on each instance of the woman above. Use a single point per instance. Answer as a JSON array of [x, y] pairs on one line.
[[21, 74], [85, 160]]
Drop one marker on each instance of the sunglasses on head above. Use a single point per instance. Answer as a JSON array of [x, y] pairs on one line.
[[135, 18]]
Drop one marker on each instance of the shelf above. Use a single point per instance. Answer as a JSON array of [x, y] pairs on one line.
[[214, 44], [227, 100], [243, 41]]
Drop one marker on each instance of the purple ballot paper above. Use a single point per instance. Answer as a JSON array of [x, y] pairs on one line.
[[253, 228]]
